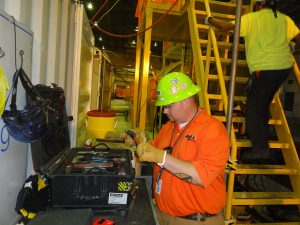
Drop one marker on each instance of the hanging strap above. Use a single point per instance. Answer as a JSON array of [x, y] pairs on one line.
[[28, 86], [31, 91], [13, 90]]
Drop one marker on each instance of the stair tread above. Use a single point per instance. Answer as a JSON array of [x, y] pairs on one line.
[[277, 223], [218, 96], [227, 61], [227, 78], [265, 198], [236, 98], [241, 119], [219, 15], [227, 4], [236, 119], [265, 195], [223, 44], [265, 169], [204, 29], [272, 144]]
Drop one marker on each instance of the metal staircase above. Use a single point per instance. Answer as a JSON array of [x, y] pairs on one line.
[[212, 52]]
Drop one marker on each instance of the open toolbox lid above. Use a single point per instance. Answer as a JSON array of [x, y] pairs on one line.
[[56, 140], [44, 153]]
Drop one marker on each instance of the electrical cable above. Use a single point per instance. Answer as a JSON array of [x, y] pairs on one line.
[[15, 36], [108, 11], [99, 10], [138, 33]]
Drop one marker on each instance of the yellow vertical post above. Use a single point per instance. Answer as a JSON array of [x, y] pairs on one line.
[[199, 67], [139, 47], [136, 79], [183, 53], [146, 61]]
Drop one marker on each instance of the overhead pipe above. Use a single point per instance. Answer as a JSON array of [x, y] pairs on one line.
[[233, 70]]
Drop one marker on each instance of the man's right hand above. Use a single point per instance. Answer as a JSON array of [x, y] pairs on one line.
[[129, 138], [133, 138]]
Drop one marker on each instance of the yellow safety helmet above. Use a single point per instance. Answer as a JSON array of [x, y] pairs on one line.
[[174, 87]]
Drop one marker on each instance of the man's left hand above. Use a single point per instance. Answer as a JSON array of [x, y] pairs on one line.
[[149, 153]]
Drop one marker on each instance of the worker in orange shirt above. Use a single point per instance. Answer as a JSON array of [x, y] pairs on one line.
[[190, 153], [268, 35]]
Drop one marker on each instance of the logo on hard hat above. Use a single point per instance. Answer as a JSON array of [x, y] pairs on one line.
[[183, 86], [174, 81], [174, 90]]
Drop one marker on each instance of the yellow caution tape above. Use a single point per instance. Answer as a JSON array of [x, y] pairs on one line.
[[231, 165], [124, 186]]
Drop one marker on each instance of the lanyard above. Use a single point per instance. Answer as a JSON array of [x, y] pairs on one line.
[[169, 148]]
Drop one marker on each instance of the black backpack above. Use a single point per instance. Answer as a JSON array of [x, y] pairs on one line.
[[32, 198]]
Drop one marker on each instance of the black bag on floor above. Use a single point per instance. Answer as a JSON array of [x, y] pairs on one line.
[[32, 198], [56, 138]]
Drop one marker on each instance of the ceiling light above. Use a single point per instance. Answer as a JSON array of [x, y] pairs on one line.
[[90, 6], [136, 29], [96, 23], [155, 44], [100, 38], [133, 42], [103, 47]]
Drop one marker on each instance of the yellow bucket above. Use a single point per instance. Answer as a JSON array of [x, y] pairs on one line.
[[100, 122]]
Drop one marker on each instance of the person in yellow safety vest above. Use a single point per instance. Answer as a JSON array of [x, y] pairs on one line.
[[268, 35]]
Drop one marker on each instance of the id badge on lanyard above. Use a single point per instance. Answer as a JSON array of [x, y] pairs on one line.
[[158, 186]]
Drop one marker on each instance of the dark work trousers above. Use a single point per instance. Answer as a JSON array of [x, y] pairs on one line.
[[259, 97]]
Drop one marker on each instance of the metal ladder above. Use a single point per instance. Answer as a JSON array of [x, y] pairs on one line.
[[211, 50]]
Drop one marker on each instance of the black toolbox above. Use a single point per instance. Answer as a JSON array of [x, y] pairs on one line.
[[100, 177]]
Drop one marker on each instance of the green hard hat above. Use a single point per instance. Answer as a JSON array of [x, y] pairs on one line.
[[174, 87]]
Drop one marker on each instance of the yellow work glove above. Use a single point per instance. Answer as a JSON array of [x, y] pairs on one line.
[[149, 153]]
